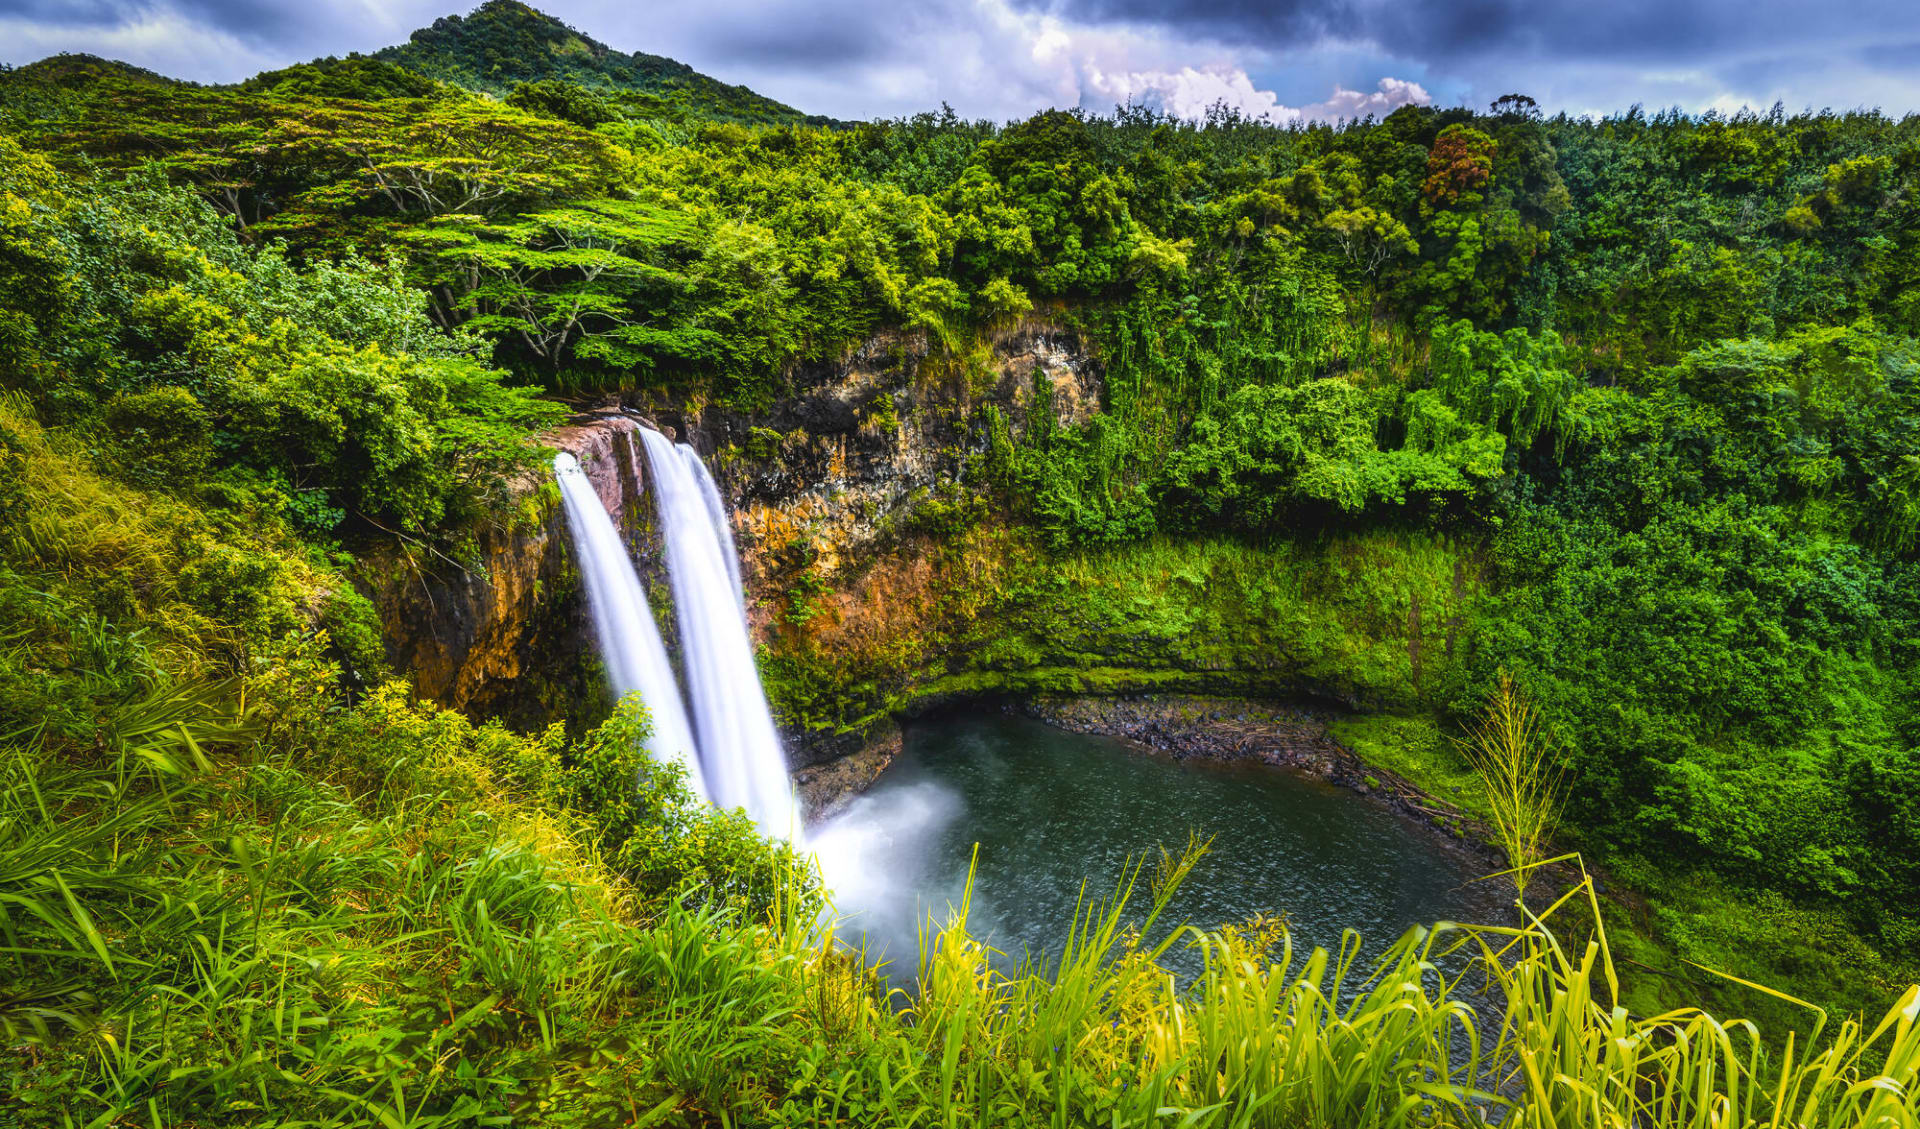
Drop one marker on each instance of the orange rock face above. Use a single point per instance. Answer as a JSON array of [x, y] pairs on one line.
[[503, 634]]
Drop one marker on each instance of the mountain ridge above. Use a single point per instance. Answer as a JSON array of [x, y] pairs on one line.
[[74, 68], [504, 42], [493, 49]]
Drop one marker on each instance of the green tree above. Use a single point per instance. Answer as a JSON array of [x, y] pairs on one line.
[[575, 281]]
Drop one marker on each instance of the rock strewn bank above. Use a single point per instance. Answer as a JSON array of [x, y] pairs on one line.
[[1207, 728]]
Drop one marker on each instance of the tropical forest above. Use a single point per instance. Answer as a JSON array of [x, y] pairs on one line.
[[540, 587]]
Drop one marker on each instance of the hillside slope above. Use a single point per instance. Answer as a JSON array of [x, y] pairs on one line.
[[492, 50], [80, 69], [503, 43]]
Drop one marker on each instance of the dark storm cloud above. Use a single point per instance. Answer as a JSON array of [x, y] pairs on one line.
[[74, 13], [257, 21], [1622, 31], [1270, 24], [814, 44]]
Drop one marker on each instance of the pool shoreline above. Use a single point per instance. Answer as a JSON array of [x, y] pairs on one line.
[[1052, 815], [1287, 736]]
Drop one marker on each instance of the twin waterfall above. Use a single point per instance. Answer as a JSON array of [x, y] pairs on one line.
[[731, 749], [630, 644]]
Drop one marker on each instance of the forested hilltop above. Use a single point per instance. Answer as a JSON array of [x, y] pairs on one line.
[[1652, 380]]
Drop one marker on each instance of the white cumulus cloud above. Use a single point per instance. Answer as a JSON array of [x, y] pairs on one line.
[[1190, 92], [1390, 95]]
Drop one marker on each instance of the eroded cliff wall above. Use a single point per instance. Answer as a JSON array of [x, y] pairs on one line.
[[499, 629], [888, 575], [884, 573]]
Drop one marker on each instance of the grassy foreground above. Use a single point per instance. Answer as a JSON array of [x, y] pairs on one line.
[[244, 911]]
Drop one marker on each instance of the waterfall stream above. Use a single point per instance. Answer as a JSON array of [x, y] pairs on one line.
[[739, 746], [731, 749], [717, 514], [623, 624]]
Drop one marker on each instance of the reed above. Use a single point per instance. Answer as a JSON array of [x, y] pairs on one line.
[[1523, 783]]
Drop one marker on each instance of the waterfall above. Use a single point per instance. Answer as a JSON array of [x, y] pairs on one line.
[[717, 514], [739, 747], [629, 641]]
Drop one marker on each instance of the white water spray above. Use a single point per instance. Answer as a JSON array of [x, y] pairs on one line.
[[629, 641], [739, 746], [876, 860]]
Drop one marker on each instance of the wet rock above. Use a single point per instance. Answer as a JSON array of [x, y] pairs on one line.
[[827, 788], [503, 633], [1285, 735]]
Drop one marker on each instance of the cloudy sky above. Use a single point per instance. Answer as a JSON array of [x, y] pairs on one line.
[[1283, 59]]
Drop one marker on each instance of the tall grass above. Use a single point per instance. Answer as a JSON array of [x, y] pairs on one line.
[[1268, 1036], [1524, 785], [227, 900], [217, 937]]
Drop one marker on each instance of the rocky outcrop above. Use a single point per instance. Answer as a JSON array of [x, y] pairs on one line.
[[864, 446], [1286, 735], [501, 631], [832, 781], [832, 484]]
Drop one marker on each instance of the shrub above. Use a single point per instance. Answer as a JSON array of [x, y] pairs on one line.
[[637, 815], [165, 436]]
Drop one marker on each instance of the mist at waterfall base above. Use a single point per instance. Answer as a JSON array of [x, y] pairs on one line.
[[1050, 808], [727, 739]]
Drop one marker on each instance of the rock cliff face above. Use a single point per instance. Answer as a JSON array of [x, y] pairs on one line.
[[504, 633], [822, 478], [881, 577], [862, 447]]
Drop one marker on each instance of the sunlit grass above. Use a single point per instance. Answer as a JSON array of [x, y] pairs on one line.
[[224, 901], [1522, 784], [210, 938]]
